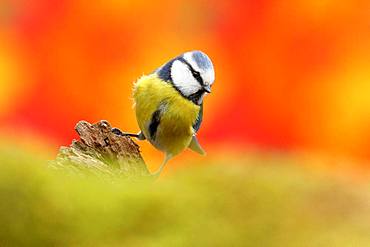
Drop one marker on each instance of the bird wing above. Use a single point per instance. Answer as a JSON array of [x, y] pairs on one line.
[[198, 122], [194, 144]]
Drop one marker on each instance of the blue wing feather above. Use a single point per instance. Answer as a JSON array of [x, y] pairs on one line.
[[197, 124]]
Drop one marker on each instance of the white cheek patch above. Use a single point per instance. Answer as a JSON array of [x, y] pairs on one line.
[[183, 79]]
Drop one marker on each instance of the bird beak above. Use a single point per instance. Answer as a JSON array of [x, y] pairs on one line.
[[207, 88]]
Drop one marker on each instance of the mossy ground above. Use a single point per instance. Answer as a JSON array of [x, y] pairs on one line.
[[229, 202]]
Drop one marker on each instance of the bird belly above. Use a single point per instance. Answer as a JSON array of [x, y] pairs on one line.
[[174, 131], [174, 134]]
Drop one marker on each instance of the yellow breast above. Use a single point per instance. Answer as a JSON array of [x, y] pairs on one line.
[[178, 115]]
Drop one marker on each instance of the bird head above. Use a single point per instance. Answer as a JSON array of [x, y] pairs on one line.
[[191, 74]]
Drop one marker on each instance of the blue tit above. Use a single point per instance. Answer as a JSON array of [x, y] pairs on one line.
[[169, 103]]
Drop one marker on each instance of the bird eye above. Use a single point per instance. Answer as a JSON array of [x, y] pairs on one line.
[[197, 76]]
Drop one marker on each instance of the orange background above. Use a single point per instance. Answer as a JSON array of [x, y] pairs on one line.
[[290, 75]]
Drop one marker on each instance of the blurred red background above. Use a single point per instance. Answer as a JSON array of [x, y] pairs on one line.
[[290, 75]]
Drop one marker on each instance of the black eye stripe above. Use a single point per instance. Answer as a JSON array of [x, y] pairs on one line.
[[195, 73], [197, 76]]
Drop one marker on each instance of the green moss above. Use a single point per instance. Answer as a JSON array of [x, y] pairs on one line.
[[244, 204]]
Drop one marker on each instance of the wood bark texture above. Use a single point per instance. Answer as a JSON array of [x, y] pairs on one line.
[[101, 152]]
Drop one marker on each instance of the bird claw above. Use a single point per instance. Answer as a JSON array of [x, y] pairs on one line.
[[117, 131]]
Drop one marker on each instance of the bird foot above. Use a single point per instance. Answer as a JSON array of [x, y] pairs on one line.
[[118, 132]]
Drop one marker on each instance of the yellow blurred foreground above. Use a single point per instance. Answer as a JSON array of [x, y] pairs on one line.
[[220, 204]]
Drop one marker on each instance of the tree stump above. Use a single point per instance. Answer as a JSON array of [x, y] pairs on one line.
[[101, 152]]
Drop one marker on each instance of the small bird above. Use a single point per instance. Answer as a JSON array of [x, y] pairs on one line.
[[169, 104]]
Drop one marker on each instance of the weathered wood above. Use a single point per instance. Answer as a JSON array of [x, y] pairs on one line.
[[101, 152]]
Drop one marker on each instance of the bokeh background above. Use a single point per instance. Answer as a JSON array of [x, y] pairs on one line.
[[290, 75], [286, 128]]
